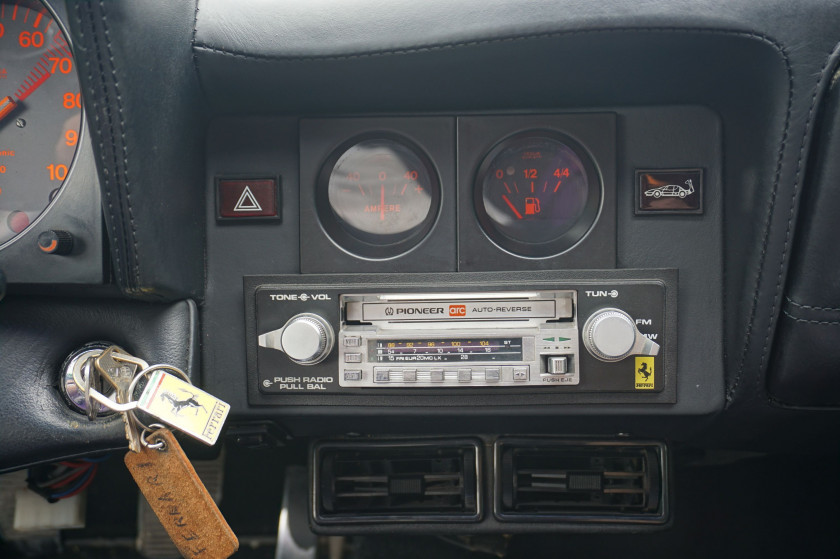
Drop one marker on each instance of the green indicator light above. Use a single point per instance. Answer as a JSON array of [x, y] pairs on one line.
[[548, 339], [563, 339]]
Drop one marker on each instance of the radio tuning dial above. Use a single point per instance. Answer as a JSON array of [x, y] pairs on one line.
[[611, 335], [306, 339]]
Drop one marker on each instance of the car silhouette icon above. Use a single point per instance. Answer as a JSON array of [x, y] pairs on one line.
[[671, 190]]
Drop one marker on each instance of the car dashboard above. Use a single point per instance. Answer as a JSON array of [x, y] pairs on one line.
[[487, 276]]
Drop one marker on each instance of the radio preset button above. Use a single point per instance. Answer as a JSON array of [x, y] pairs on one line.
[[558, 365], [492, 374], [520, 374], [409, 375], [381, 375], [436, 375], [352, 357], [352, 375], [464, 375]]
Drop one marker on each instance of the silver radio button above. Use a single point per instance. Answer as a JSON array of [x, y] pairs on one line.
[[352, 341], [352, 357], [436, 375], [492, 374], [558, 365], [464, 375], [409, 375], [520, 374], [352, 375], [381, 375]]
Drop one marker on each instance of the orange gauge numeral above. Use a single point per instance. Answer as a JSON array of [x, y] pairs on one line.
[[2, 169], [383, 175], [71, 138], [57, 172], [530, 173], [63, 64], [500, 174], [28, 39], [2, 30], [561, 173], [354, 177], [72, 101], [410, 175]]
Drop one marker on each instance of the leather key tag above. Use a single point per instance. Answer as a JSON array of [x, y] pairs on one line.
[[179, 499]]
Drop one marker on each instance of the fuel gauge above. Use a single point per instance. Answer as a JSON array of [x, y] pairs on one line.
[[537, 194], [378, 197]]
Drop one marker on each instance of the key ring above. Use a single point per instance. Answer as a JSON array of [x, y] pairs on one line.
[[141, 374], [160, 444]]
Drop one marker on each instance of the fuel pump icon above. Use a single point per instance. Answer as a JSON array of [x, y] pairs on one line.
[[532, 206]]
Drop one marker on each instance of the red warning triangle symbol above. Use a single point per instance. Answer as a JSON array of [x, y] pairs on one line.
[[247, 202]]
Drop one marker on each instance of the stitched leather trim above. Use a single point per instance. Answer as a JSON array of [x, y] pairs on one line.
[[816, 97], [110, 132], [806, 321], [433, 47], [810, 307]]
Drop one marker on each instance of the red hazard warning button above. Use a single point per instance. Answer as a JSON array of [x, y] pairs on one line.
[[246, 198]]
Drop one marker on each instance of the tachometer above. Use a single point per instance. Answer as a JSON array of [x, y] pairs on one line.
[[40, 113], [537, 194], [378, 197]]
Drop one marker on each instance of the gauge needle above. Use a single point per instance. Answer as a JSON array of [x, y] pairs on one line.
[[7, 105], [512, 207], [382, 203]]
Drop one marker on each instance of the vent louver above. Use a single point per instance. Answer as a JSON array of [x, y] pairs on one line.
[[579, 481], [397, 482]]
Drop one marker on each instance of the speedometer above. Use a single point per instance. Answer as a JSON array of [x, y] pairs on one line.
[[40, 113]]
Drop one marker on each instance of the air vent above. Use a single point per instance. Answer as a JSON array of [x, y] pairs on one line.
[[577, 481], [364, 482]]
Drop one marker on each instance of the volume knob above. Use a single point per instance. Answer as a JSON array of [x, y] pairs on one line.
[[306, 339], [611, 335]]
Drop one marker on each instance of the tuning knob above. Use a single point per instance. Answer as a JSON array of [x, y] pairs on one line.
[[611, 335], [306, 339]]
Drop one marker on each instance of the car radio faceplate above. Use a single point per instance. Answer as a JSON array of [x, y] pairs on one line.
[[387, 337]]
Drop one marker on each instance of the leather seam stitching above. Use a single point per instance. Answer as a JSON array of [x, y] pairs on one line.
[[815, 98], [807, 321], [478, 42], [127, 186], [810, 307], [100, 141]]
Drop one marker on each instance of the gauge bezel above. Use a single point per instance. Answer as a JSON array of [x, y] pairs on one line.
[[563, 243], [82, 128], [363, 243]]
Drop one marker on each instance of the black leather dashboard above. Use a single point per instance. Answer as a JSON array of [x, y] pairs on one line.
[[179, 94]]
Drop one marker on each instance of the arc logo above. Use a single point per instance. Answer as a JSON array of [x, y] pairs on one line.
[[457, 310]]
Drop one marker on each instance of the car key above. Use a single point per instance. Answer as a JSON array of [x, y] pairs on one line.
[[118, 368], [161, 470], [169, 483]]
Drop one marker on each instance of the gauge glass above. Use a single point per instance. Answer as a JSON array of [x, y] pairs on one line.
[[40, 113], [537, 194], [382, 196]]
